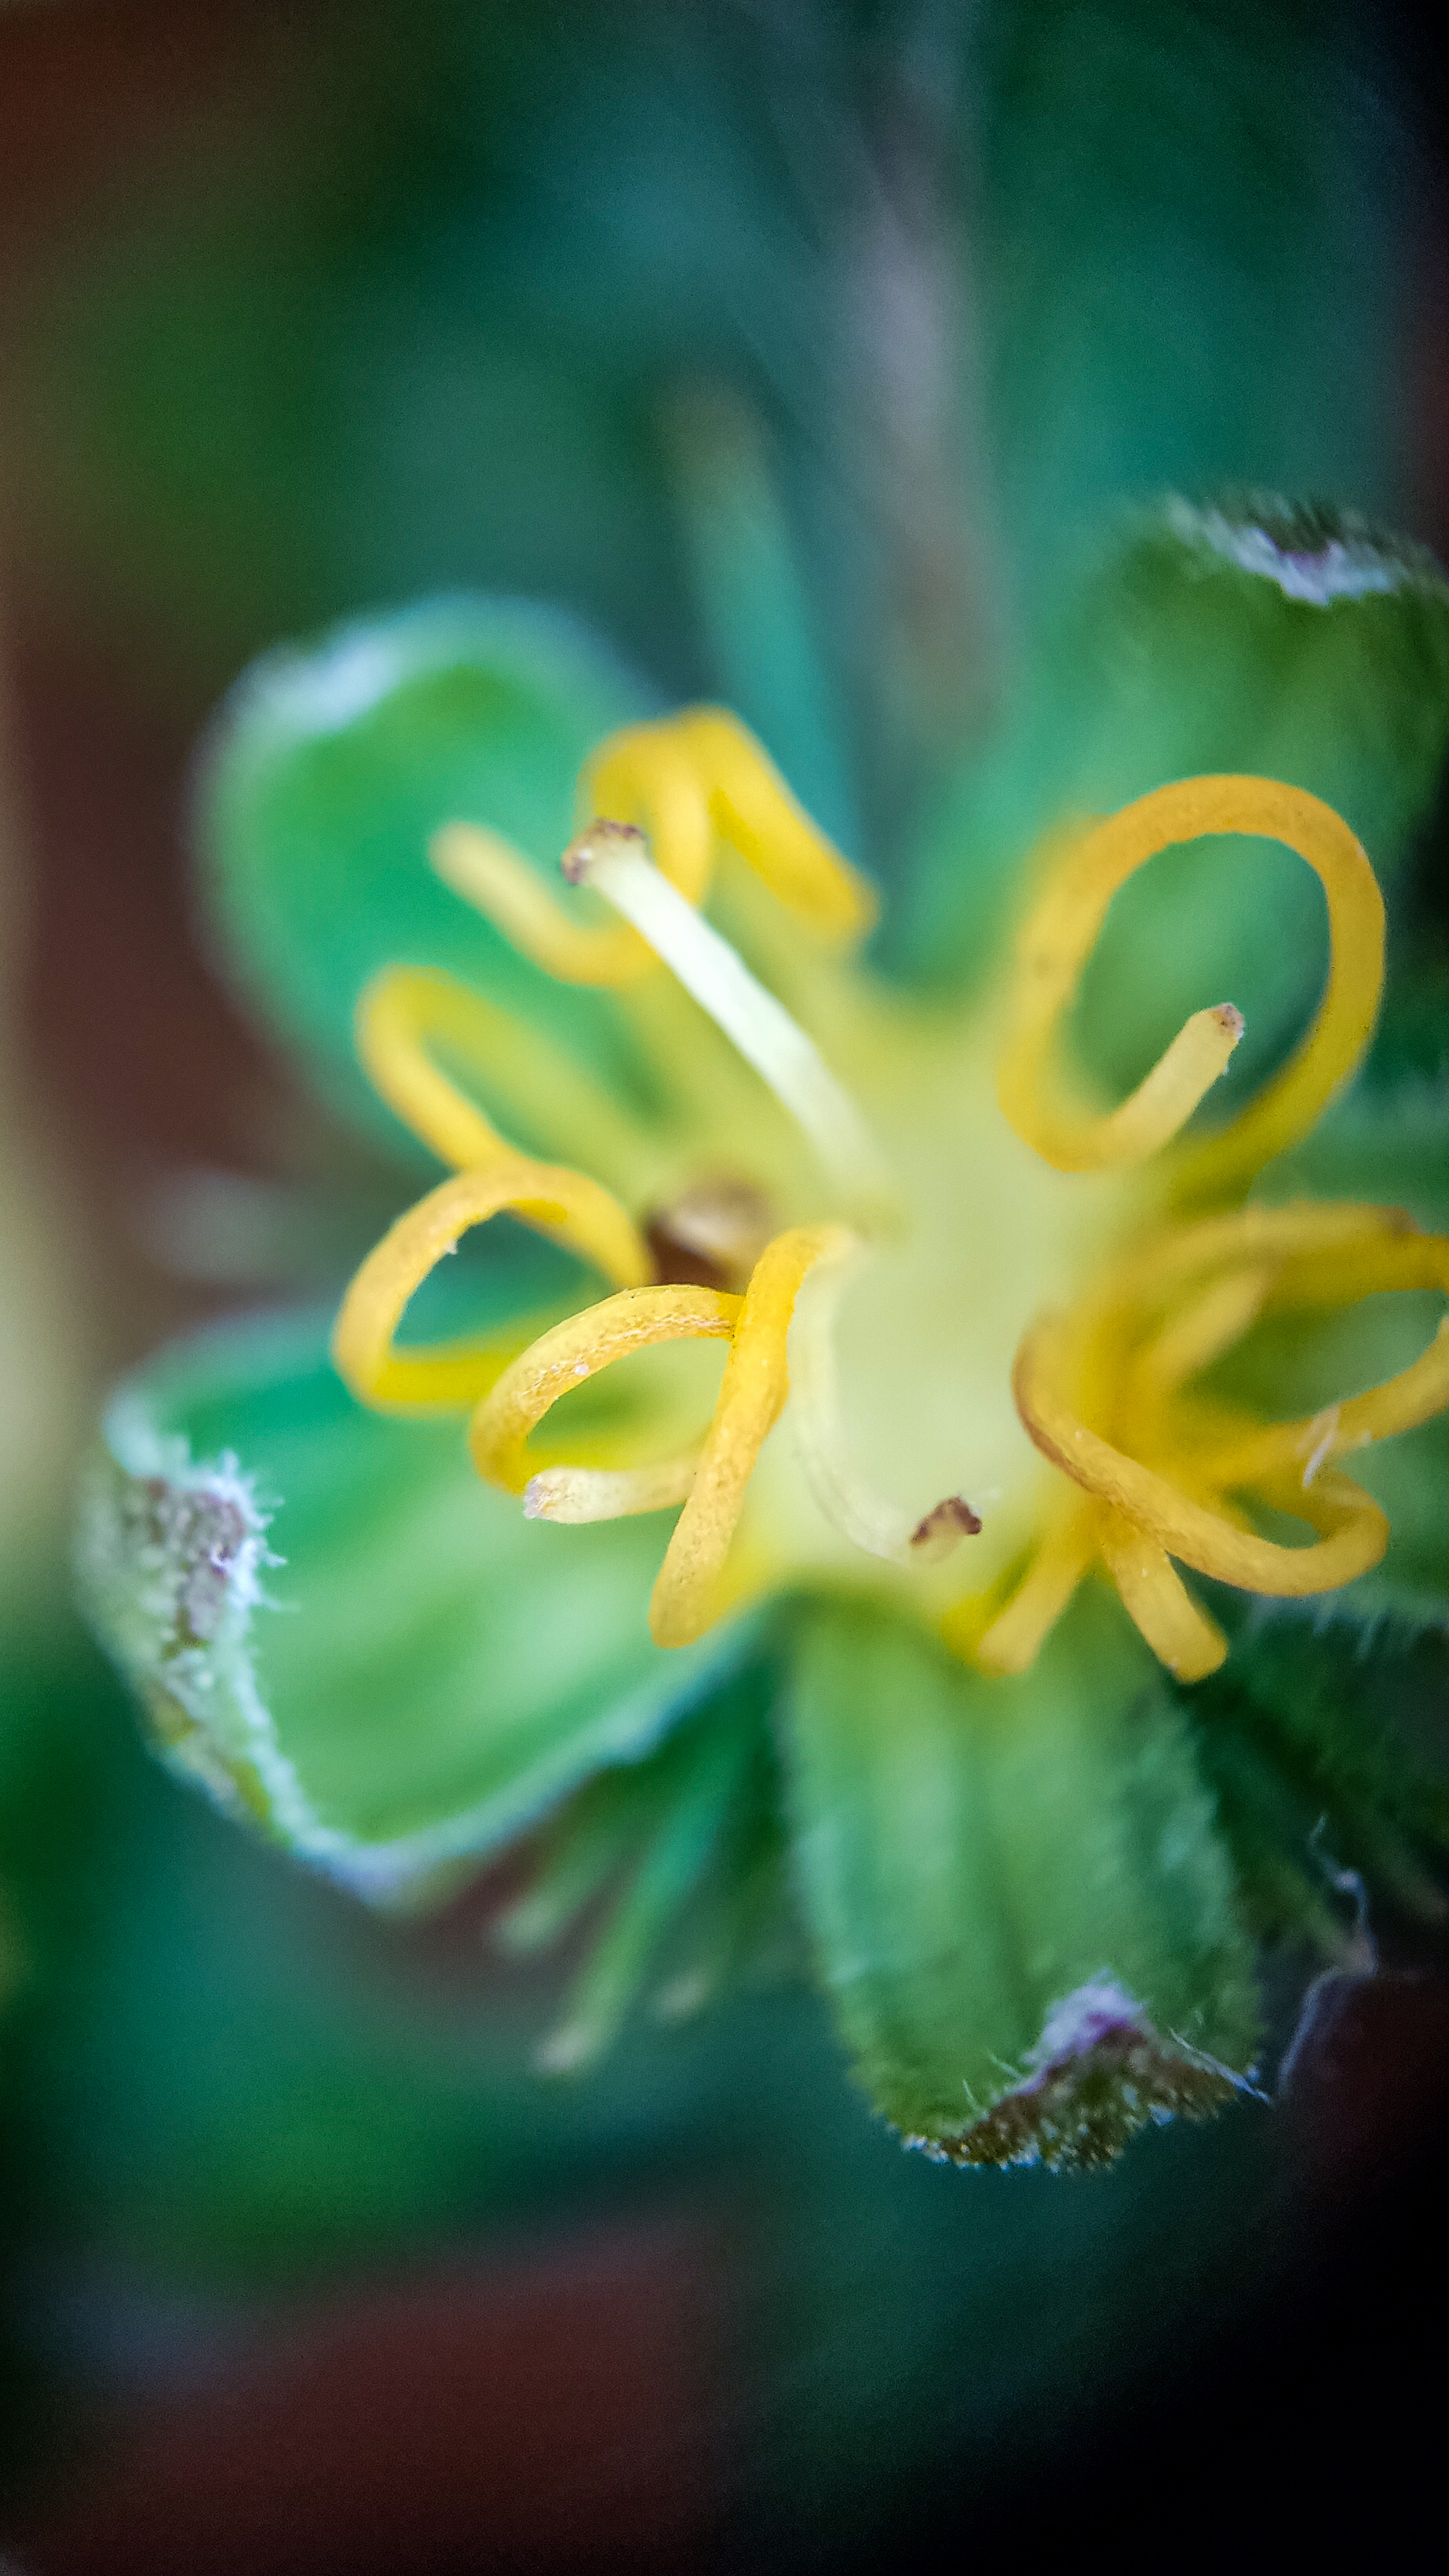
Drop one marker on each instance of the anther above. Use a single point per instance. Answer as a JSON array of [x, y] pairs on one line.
[[937, 1534], [603, 839]]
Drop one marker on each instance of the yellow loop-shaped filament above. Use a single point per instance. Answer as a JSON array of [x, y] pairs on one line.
[[407, 1011], [1015, 1637], [1356, 1531], [1156, 1599], [753, 810], [689, 781], [565, 1205], [1064, 926], [1213, 1278], [499, 882], [1414, 1395], [756, 1383], [575, 1350]]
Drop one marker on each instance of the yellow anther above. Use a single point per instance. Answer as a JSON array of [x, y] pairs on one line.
[[500, 883], [575, 1350], [1063, 929], [562, 1204], [756, 1383], [406, 1011]]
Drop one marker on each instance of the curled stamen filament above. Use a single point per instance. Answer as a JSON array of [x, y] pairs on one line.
[[408, 1010], [1136, 1518], [1356, 1532], [878, 1527], [564, 1204], [756, 1383], [561, 1360], [1063, 929], [1156, 1599], [499, 882], [689, 779], [761, 1028]]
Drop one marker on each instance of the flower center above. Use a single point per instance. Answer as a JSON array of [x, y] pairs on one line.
[[939, 1306]]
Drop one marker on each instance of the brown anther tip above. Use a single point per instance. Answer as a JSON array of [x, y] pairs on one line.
[[954, 1513], [1228, 1016], [596, 842]]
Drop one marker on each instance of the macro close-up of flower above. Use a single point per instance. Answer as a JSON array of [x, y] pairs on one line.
[[907, 1644], [724, 1797]]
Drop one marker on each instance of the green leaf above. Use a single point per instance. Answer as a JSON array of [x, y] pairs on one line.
[[1243, 636], [1021, 1906], [331, 765], [337, 1629]]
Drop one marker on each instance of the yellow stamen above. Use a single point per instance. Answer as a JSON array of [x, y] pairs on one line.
[[1063, 929], [1181, 1635], [406, 1010], [1016, 1635], [608, 1493], [1199, 1333], [754, 809], [575, 1350], [499, 882], [1401, 1403], [612, 858], [649, 775], [756, 1383], [560, 1203], [688, 780], [1356, 1530]]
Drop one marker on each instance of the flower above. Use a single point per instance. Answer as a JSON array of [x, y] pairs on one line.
[[1007, 1336]]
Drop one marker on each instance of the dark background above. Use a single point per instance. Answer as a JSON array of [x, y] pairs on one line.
[[215, 221]]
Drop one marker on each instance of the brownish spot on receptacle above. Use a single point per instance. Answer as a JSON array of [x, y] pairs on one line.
[[952, 1518], [712, 1235]]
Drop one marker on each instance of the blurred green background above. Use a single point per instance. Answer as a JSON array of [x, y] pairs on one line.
[[807, 349]]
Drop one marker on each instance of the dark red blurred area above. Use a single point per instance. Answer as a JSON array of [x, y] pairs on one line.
[[115, 980], [92, 93], [545, 2415]]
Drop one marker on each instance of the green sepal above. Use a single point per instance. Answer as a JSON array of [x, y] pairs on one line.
[[1243, 635], [678, 1857], [327, 771], [339, 1631], [1018, 1897], [1321, 1761]]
